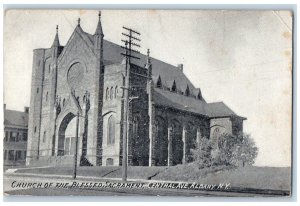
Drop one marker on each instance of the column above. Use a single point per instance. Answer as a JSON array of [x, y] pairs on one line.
[[152, 146], [170, 153], [150, 163], [198, 136], [184, 144]]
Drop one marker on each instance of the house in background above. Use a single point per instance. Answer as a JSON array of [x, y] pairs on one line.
[[15, 136]]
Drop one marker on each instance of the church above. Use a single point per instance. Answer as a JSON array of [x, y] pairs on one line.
[[167, 115]]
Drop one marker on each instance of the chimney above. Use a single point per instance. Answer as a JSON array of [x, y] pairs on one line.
[[26, 110], [180, 67]]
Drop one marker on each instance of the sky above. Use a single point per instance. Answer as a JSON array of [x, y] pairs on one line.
[[243, 58]]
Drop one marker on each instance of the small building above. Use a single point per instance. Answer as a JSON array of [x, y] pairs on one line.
[[15, 137]]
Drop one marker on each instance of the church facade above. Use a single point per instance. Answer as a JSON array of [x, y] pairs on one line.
[[167, 117]]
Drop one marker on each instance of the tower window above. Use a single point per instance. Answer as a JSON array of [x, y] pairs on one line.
[[44, 137], [111, 93], [34, 129], [37, 90], [111, 130], [116, 91], [107, 93], [46, 96]]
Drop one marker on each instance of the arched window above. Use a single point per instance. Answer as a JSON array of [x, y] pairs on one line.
[[107, 93], [116, 91], [44, 137], [64, 101], [46, 96], [111, 130], [215, 137], [111, 92]]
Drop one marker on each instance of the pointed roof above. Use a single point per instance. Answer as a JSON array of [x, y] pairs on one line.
[[99, 30], [187, 90], [198, 94], [56, 39]]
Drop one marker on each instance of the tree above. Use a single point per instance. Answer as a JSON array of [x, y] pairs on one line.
[[202, 154], [244, 152], [229, 150]]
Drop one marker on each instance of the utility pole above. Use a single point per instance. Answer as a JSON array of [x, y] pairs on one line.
[[76, 147], [79, 113], [150, 110], [129, 43]]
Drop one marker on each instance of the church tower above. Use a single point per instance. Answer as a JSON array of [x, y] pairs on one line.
[[99, 84], [43, 89], [55, 51]]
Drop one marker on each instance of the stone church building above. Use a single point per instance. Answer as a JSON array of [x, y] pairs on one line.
[[166, 119]]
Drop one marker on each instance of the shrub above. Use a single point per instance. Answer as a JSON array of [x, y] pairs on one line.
[[231, 150], [202, 154], [244, 152]]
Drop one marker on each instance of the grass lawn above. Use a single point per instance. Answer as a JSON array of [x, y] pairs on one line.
[[277, 178]]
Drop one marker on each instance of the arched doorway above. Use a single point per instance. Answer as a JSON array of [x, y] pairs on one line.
[[66, 135]]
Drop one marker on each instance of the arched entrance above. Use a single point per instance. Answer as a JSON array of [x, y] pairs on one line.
[[66, 135]]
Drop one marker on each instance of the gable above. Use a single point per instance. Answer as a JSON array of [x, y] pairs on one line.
[[79, 44]]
